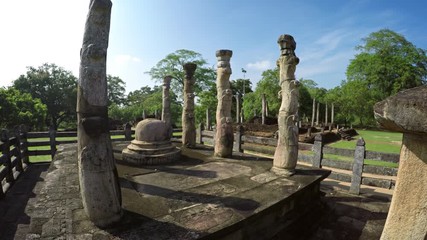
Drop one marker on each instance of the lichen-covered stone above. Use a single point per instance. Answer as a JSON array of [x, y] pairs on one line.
[[152, 144], [188, 120], [99, 186], [407, 112], [286, 154], [224, 130]]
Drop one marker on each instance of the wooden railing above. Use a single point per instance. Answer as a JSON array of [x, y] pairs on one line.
[[356, 172], [13, 160], [17, 148]]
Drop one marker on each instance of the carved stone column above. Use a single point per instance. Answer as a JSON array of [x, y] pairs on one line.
[[317, 113], [188, 121], [166, 103], [313, 112], [286, 154], [238, 108], [97, 172], [224, 129], [407, 112]]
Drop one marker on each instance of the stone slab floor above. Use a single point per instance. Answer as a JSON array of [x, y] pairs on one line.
[[341, 216]]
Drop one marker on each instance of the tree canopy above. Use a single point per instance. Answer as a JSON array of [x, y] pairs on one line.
[[172, 65], [20, 108], [116, 90], [388, 63], [55, 87]]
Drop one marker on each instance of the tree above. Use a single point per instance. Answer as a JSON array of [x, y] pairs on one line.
[[388, 63], [172, 65], [20, 108], [268, 85], [116, 90], [55, 87], [355, 101], [145, 99]]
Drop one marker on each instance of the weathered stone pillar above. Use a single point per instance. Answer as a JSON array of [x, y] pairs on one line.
[[166, 103], [313, 112], [97, 172], [263, 108], [188, 121], [332, 114], [317, 113], [407, 112], [144, 115], [238, 108], [326, 114], [208, 120], [224, 130], [286, 154]]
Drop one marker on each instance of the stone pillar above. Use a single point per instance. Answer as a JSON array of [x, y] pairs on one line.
[[99, 185], [144, 115], [166, 103], [332, 114], [224, 130], [286, 154], [208, 120], [313, 112], [263, 109], [317, 113], [359, 159], [188, 121], [237, 108], [407, 112], [326, 114], [318, 151]]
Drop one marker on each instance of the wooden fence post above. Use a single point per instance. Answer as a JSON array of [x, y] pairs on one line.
[[19, 165], [52, 139], [128, 131], [237, 146], [199, 137], [6, 153], [24, 144], [318, 151], [359, 158]]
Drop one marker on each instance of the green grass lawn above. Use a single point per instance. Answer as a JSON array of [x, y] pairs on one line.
[[47, 158], [376, 141]]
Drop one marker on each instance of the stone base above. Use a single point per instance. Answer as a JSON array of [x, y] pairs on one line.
[[201, 197], [282, 171], [143, 153]]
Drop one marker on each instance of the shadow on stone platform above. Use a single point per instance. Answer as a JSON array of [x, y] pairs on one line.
[[197, 197]]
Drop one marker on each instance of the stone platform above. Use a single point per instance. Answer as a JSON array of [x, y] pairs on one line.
[[197, 197]]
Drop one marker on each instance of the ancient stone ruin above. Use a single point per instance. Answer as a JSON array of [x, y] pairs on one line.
[[407, 112], [166, 102], [286, 154], [188, 121], [152, 144], [99, 186], [224, 130]]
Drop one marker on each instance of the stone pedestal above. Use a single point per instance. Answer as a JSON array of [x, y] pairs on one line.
[[407, 112], [224, 137], [152, 144], [286, 154]]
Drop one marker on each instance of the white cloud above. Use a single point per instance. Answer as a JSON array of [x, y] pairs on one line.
[[126, 58], [259, 65]]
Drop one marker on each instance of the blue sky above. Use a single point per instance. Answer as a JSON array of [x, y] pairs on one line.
[[145, 31]]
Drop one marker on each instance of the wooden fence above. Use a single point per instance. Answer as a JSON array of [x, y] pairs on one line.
[[16, 150], [356, 172], [18, 147]]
